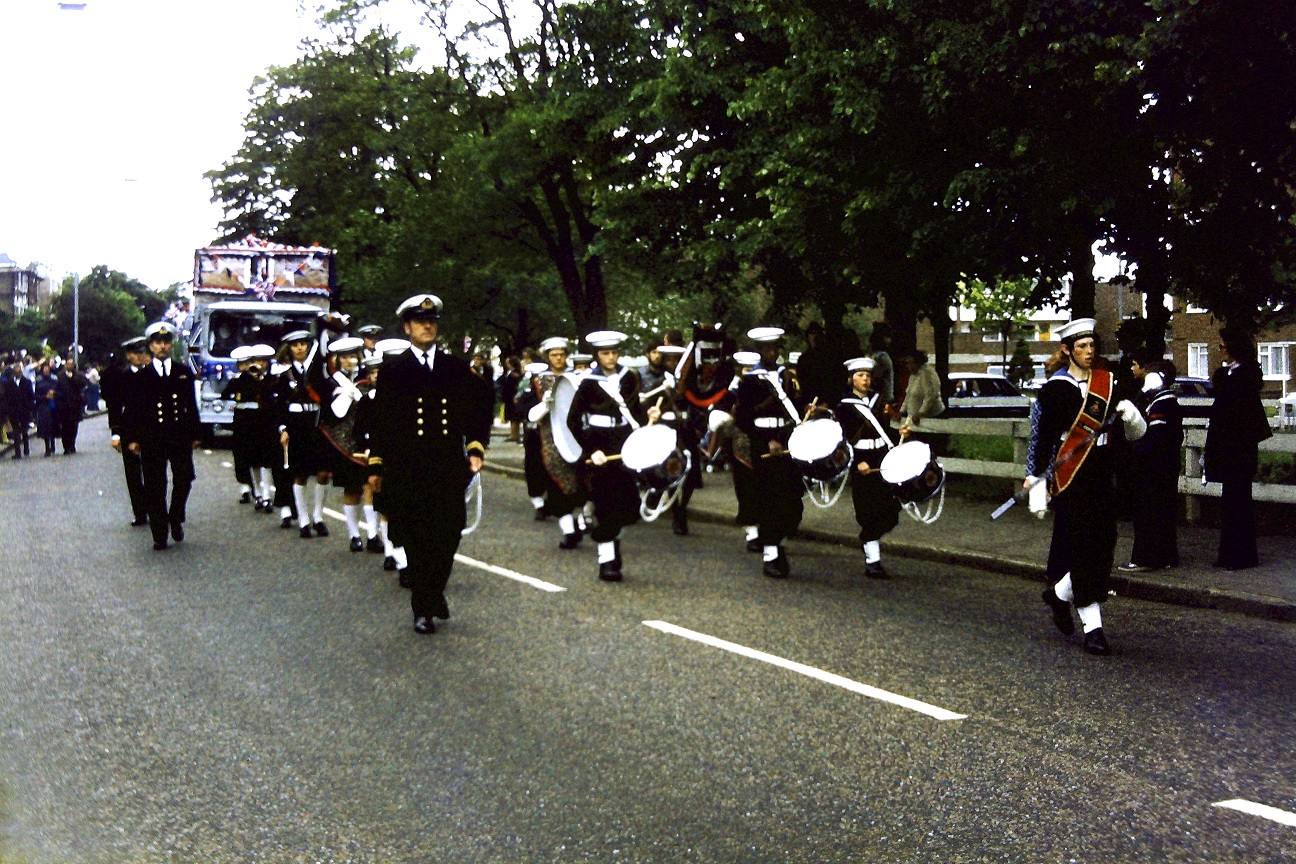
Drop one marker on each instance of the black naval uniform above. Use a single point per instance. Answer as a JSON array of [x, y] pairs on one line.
[[697, 399], [117, 384], [425, 425], [161, 416], [297, 410], [877, 511], [597, 422], [778, 487], [251, 427], [280, 472]]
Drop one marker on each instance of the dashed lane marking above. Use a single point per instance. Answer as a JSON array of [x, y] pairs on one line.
[[810, 671], [482, 565], [1283, 817]]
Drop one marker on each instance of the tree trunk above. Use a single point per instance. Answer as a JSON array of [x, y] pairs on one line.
[[941, 327], [1082, 281]]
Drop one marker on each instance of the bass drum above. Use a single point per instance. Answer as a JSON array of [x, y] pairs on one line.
[[654, 455], [564, 441], [820, 449], [912, 472]]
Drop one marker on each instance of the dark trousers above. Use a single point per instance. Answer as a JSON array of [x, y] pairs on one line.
[[616, 500], [1087, 510], [537, 478], [20, 443], [1156, 506], [155, 459], [744, 480], [777, 493], [69, 425], [134, 468], [431, 539], [1237, 546], [877, 511]]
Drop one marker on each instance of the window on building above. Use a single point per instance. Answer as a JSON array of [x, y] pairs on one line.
[[1273, 360], [1198, 360]]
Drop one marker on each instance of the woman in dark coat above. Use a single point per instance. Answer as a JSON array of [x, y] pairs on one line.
[[1237, 426], [46, 403]]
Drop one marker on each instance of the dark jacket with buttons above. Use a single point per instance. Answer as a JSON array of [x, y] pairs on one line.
[[161, 411], [592, 400], [423, 424]]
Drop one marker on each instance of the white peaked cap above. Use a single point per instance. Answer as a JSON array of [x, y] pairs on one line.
[[160, 327], [420, 303], [605, 339], [260, 350], [241, 353], [553, 343], [345, 345], [746, 358], [765, 334], [391, 346]]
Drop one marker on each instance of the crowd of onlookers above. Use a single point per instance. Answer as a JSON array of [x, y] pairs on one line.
[[47, 396]]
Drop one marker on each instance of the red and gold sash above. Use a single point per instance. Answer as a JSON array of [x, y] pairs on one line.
[[1084, 431]]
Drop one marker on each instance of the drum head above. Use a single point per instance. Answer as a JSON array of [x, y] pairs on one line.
[[647, 447], [814, 440], [905, 462], [564, 440]]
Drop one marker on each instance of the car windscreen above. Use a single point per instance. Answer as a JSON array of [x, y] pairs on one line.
[[228, 330]]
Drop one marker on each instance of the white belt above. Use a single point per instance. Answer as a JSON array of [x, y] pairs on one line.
[[239, 406], [300, 408], [772, 422], [669, 415], [871, 443], [603, 421]]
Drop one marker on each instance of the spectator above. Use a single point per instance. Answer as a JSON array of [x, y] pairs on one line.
[[71, 404], [46, 405], [883, 368], [508, 395], [819, 368], [19, 402], [92, 377], [1154, 486], [923, 394], [1237, 426]]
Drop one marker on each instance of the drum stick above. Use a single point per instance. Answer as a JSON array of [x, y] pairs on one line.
[[614, 457], [809, 408], [285, 457], [658, 407]]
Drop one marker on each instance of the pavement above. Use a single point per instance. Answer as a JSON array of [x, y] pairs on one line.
[[1017, 544]]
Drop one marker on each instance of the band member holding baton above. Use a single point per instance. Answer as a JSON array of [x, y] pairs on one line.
[[1069, 438]]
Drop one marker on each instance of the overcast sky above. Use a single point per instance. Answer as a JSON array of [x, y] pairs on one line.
[[112, 114]]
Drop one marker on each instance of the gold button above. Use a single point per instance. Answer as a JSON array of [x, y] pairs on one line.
[[420, 410], [443, 401], [420, 431], [444, 432], [420, 400], [445, 422], [420, 421]]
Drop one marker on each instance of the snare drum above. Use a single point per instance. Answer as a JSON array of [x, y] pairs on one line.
[[912, 472], [654, 455], [820, 450]]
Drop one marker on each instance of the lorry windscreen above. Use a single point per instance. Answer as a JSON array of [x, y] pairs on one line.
[[228, 330]]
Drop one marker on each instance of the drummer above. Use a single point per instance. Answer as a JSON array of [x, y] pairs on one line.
[[744, 476], [768, 410], [552, 481], [861, 413], [661, 389], [603, 413]]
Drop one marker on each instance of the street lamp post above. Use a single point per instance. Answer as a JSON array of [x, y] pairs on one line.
[[76, 320]]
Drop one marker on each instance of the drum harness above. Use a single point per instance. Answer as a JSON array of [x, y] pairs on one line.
[[932, 509]]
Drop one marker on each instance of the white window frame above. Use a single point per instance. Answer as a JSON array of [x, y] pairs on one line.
[[1273, 361], [1198, 360]]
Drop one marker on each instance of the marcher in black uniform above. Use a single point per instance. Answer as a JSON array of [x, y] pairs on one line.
[[603, 413], [297, 415], [744, 474], [1238, 424], [559, 484], [1154, 476], [363, 423], [862, 415], [432, 419], [251, 428], [343, 392], [705, 376], [71, 403], [767, 410], [161, 426], [370, 333], [1083, 485], [117, 384], [394, 556]]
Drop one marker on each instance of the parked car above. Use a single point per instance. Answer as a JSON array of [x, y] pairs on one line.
[[1196, 396], [981, 395]]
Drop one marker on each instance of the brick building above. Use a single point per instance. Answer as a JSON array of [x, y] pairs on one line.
[[1195, 348], [21, 288]]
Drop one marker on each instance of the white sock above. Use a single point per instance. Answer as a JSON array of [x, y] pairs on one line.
[[1090, 617], [299, 497], [607, 551], [267, 485], [382, 532], [567, 524], [371, 521], [285, 512], [537, 502], [580, 521], [352, 512], [1063, 589], [320, 490], [244, 488], [771, 553], [402, 561], [873, 551], [753, 532], [588, 510]]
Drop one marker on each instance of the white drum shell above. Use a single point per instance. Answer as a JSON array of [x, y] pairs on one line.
[[814, 440], [648, 446], [563, 394], [905, 462]]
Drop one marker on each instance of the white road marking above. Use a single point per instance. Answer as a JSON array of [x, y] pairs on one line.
[[1283, 817], [819, 674], [227, 464], [489, 568]]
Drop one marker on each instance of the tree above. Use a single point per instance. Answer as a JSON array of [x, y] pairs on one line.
[[109, 314]]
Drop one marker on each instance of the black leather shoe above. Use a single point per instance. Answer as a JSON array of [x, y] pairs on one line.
[[321, 529], [177, 532], [306, 532], [357, 545], [374, 544], [570, 541], [403, 579], [245, 498], [1096, 643], [138, 521], [441, 609], [424, 625], [778, 568], [1061, 611], [755, 545], [679, 523], [875, 570], [610, 571], [158, 547], [286, 523], [389, 563], [540, 514]]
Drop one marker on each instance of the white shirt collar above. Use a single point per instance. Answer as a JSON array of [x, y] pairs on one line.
[[427, 358], [163, 367]]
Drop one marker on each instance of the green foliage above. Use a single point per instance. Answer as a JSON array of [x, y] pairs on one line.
[[110, 313], [1021, 368]]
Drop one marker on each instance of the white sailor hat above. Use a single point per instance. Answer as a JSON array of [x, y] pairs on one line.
[[859, 364], [603, 339], [346, 345], [372, 360], [746, 358], [241, 354], [554, 343], [295, 336], [391, 346], [671, 349], [1077, 328], [369, 330], [420, 306], [535, 368], [765, 334], [578, 359], [164, 327], [261, 351], [136, 343]]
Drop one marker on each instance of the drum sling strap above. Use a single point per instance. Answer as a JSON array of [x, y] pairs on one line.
[[867, 410], [613, 389], [773, 379], [1084, 432]]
